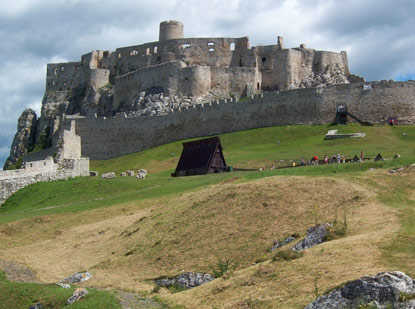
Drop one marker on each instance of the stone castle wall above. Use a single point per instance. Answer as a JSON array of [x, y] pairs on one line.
[[107, 138], [40, 171]]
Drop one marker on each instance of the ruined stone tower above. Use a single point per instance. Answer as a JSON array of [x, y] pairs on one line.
[[171, 29]]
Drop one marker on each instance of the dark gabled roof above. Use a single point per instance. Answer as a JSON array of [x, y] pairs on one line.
[[199, 154]]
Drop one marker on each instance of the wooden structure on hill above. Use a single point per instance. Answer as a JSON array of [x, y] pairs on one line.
[[201, 157]]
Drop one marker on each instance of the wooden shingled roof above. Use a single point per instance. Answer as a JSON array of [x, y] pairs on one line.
[[201, 157]]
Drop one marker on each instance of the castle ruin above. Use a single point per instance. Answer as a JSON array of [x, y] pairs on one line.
[[194, 86]]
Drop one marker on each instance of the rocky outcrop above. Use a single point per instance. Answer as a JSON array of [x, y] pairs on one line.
[[26, 129], [77, 277], [385, 290], [315, 235], [155, 103], [280, 243], [185, 281], [334, 77]]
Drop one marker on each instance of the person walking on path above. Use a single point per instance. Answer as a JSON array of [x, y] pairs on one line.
[[362, 156]]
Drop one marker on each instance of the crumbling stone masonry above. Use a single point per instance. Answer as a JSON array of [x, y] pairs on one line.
[[68, 164], [104, 138]]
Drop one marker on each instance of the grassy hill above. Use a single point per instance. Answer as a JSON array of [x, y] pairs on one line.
[[127, 232]]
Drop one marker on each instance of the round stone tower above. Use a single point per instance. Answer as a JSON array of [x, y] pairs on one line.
[[171, 29]]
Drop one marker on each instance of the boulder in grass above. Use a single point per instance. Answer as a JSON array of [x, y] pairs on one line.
[[77, 295], [186, 280], [141, 174], [110, 175], [385, 290], [315, 235], [77, 277]]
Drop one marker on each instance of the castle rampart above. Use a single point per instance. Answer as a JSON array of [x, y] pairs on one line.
[[111, 137], [67, 164]]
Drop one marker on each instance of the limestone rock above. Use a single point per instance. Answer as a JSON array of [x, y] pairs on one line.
[[77, 295], [130, 173], [315, 235], [110, 175], [385, 290], [186, 280], [396, 156], [154, 102], [93, 173], [123, 174], [37, 306], [77, 277], [64, 285], [141, 174], [278, 244], [26, 129]]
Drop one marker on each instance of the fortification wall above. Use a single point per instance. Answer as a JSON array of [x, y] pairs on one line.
[[218, 52], [107, 138], [13, 181], [63, 76], [41, 154], [234, 80], [163, 75]]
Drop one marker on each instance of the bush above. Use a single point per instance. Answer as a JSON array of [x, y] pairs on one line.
[[287, 255], [222, 267]]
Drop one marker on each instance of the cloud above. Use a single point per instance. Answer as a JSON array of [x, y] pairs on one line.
[[377, 34]]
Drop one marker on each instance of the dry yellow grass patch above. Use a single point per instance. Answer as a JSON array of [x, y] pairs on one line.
[[292, 284]]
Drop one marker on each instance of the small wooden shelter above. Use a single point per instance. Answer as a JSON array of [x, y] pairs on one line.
[[201, 157]]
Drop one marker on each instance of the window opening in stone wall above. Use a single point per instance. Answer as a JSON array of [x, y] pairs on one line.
[[264, 59], [258, 86], [119, 55], [211, 46], [155, 50], [232, 46], [148, 51], [158, 59], [62, 69], [56, 71], [54, 83], [185, 46]]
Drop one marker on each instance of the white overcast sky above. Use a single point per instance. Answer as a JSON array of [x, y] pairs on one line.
[[378, 36]]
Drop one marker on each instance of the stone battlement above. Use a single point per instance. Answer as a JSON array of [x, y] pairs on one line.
[[104, 138]]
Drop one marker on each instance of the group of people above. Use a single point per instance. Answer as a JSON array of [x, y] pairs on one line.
[[337, 159], [328, 160]]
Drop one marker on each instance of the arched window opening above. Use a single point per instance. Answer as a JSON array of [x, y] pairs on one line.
[[211, 46], [232, 46], [185, 46]]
